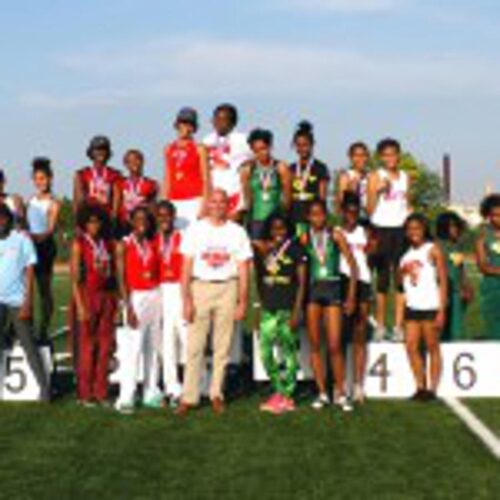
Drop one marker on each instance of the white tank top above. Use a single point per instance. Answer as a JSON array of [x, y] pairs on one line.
[[357, 241], [420, 282], [362, 185], [391, 209], [38, 215]]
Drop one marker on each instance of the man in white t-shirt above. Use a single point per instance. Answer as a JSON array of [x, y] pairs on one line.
[[215, 276], [227, 150]]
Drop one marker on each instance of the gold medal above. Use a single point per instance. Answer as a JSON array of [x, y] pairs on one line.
[[457, 258]]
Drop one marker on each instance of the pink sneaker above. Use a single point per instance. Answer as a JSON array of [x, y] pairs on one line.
[[288, 404], [273, 405]]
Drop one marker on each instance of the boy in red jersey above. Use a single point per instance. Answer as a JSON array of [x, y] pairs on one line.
[[94, 185], [169, 241], [138, 277], [94, 292], [133, 191], [187, 181]]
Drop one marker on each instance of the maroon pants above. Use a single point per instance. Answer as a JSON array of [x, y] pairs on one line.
[[95, 343]]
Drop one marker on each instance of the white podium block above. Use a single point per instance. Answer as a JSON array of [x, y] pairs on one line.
[[470, 369], [305, 372], [388, 373], [17, 380]]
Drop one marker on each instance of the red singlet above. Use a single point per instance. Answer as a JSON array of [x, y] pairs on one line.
[[135, 192], [183, 168], [97, 185], [142, 264], [97, 263]]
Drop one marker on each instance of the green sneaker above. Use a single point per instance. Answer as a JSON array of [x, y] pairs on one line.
[[153, 403]]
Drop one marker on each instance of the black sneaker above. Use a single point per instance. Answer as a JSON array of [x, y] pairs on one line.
[[420, 395], [429, 396]]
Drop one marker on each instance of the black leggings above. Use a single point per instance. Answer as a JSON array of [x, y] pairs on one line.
[[390, 249]]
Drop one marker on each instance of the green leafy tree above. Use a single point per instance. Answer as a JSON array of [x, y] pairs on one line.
[[427, 191]]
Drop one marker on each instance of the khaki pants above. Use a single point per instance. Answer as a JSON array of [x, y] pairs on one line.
[[217, 302]]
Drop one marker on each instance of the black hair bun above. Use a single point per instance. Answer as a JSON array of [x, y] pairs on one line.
[[41, 162], [305, 127]]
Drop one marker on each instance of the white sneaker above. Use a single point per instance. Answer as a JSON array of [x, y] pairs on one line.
[[379, 333], [320, 402], [344, 404], [359, 394], [124, 408], [398, 334]]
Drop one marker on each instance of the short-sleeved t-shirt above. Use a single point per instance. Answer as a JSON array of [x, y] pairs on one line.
[[277, 276], [17, 252], [226, 154], [216, 250], [305, 187]]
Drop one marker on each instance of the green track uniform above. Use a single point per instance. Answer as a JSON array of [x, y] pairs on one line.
[[278, 285], [455, 318], [266, 189], [306, 189], [490, 287], [324, 269]]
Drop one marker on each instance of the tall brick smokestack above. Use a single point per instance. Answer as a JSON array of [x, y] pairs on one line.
[[447, 177]]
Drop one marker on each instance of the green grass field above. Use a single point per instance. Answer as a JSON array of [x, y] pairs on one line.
[[386, 450]]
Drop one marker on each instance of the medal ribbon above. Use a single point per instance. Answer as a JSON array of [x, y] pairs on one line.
[[276, 257], [319, 242], [303, 174], [144, 251], [99, 251], [133, 193], [99, 182], [166, 245], [265, 175]]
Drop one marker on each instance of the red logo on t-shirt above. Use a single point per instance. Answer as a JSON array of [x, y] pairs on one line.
[[216, 257], [217, 156], [412, 269]]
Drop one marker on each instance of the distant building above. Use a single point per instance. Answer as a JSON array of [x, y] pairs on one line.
[[470, 213]]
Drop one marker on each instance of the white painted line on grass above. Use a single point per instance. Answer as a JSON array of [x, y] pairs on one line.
[[487, 437]]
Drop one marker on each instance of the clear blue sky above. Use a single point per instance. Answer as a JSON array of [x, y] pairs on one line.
[[427, 72]]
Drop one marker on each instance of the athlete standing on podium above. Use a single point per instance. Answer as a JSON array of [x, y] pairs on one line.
[[266, 182], [310, 177], [95, 184], [187, 179], [388, 206], [228, 150], [42, 213]]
